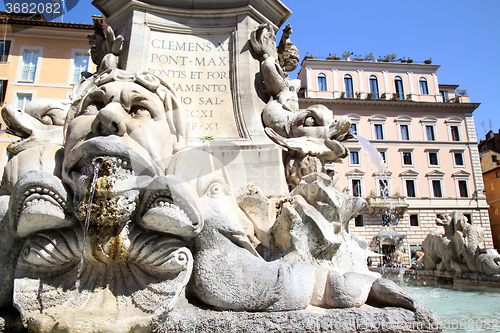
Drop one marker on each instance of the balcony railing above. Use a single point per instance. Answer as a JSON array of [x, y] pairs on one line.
[[361, 59], [28, 73], [308, 93], [379, 205]]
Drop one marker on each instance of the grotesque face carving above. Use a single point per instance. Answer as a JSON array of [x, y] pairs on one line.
[[125, 257], [312, 132], [122, 120], [313, 122], [212, 185]]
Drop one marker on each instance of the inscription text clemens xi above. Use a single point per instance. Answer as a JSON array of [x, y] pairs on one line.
[[198, 67]]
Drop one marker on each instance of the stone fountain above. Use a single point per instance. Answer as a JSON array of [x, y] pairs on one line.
[[457, 254], [184, 190]]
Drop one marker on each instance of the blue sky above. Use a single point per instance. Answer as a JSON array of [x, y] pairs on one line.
[[461, 36]]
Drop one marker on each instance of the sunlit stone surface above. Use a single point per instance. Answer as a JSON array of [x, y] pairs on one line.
[[125, 226]]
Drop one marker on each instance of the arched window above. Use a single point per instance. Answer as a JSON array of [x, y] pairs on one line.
[[349, 92], [398, 83], [321, 82], [424, 90], [374, 86]]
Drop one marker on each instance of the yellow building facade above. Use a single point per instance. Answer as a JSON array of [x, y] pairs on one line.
[[489, 149], [39, 58]]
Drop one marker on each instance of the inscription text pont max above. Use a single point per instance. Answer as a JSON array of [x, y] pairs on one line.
[[198, 67]]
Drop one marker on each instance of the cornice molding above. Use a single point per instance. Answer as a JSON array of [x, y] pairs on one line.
[[363, 103]]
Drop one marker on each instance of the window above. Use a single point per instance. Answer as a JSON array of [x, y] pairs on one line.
[[409, 181], [383, 186], [358, 221], [433, 159], [81, 64], [354, 157], [354, 128], [3, 90], [398, 83], [436, 188], [403, 123], [356, 187], [405, 134], [469, 218], [455, 136], [30, 60], [413, 220], [349, 92], [446, 96], [386, 220], [374, 86], [23, 100], [377, 125], [462, 187], [407, 158], [423, 86], [382, 154], [494, 158], [5, 50], [458, 158], [410, 188], [453, 123], [429, 130], [379, 131]]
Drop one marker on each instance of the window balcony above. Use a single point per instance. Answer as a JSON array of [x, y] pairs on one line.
[[28, 74], [356, 95], [379, 205]]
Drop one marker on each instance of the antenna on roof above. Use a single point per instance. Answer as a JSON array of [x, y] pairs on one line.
[[63, 3], [52, 11]]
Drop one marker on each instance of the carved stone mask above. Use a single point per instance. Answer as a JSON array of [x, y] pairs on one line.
[[122, 118]]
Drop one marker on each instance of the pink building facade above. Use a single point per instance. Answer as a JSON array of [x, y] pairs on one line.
[[424, 133]]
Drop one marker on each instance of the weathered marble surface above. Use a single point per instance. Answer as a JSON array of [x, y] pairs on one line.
[[366, 319], [123, 226], [127, 251], [460, 248]]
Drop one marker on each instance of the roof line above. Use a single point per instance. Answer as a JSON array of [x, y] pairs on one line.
[[390, 103]]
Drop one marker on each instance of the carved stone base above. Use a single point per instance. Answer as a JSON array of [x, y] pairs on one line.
[[364, 319]]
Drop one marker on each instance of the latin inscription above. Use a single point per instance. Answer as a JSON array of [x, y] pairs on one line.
[[198, 68]]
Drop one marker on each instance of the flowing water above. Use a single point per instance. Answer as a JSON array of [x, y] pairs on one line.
[[462, 309], [373, 155], [97, 165], [377, 163]]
